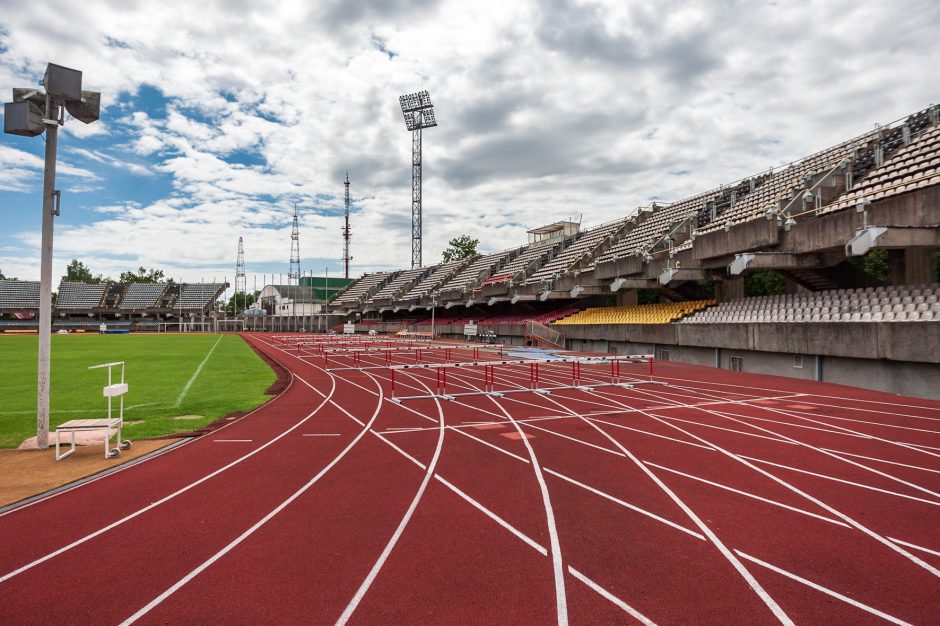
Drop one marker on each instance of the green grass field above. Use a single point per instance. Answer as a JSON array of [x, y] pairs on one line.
[[158, 370]]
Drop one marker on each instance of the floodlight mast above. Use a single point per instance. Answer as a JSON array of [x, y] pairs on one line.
[[346, 232], [31, 113], [419, 114]]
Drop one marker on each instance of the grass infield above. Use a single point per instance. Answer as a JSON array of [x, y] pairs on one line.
[[161, 372]]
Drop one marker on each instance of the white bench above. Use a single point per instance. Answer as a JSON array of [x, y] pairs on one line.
[[108, 425]]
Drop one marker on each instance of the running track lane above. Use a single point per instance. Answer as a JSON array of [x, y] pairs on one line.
[[467, 553]]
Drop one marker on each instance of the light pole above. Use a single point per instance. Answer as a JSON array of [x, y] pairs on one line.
[[433, 308], [32, 112]]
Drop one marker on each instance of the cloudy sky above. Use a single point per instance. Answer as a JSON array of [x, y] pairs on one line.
[[217, 119]]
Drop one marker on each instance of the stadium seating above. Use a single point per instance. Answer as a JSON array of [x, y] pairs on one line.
[[587, 242], [19, 294], [872, 304], [361, 288], [79, 296], [479, 270], [198, 296], [433, 281], [139, 296], [393, 287], [643, 314], [912, 167], [528, 260]]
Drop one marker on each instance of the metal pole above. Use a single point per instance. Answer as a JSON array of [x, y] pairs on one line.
[[45, 277], [433, 308]]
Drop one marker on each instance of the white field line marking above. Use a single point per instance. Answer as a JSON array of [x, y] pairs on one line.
[[844, 460], [529, 541], [857, 525], [728, 416], [167, 498], [522, 536], [574, 439], [189, 383], [232, 440], [321, 435], [254, 527], [749, 495], [832, 428], [530, 448], [611, 597], [652, 434], [840, 480], [627, 505], [871, 458], [561, 600], [915, 546], [712, 537], [144, 459], [817, 395], [824, 590], [364, 587], [730, 430]]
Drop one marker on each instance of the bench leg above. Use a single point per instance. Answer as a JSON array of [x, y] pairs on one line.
[[59, 457]]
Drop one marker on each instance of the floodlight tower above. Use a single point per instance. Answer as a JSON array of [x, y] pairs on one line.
[[241, 282], [32, 112], [294, 273], [346, 233], [419, 114]]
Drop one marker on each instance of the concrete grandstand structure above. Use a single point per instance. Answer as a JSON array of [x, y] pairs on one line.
[[140, 306], [805, 221]]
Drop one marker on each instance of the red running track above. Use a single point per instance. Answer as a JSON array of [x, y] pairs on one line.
[[717, 497]]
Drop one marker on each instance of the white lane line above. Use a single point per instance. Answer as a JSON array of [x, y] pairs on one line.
[[611, 597], [364, 587], [871, 458], [528, 540], [254, 527], [915, 546], [321, 435], [232, 440], [750, 495], [840, 480], [752, 582], [849, 520], [189, 383], [169, 497], [561, 599], [829, 592], [625, 504]]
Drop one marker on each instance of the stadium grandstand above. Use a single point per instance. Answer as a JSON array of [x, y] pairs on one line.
[[670, 277], [86, 306]]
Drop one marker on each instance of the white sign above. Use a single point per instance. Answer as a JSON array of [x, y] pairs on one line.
[[349, 329], [470, 330]]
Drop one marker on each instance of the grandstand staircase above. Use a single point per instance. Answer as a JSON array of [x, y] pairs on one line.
[[843, 275], [540, 334]]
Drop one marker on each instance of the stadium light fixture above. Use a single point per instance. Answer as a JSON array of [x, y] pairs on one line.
[[419, 114], [33, 112]]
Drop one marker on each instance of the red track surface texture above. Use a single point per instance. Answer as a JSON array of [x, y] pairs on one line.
[[717, 497]]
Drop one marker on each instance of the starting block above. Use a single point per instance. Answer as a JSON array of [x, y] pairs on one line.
[[109, 425]]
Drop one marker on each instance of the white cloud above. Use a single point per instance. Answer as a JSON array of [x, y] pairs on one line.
[[547, 110]]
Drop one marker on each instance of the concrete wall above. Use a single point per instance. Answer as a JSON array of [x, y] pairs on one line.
[[921, 380]]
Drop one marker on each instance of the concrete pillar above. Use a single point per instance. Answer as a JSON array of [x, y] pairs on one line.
[[729, 289], [920, 265], [627, 297]]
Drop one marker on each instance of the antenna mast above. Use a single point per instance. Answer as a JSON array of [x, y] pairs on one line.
[[241, 282], [294, 273], [346, 233]]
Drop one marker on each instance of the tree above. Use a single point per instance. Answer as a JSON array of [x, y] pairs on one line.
[[461, 247], [143, 275], [239, 302], [764, 283], [2, 277], [78, 272]]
